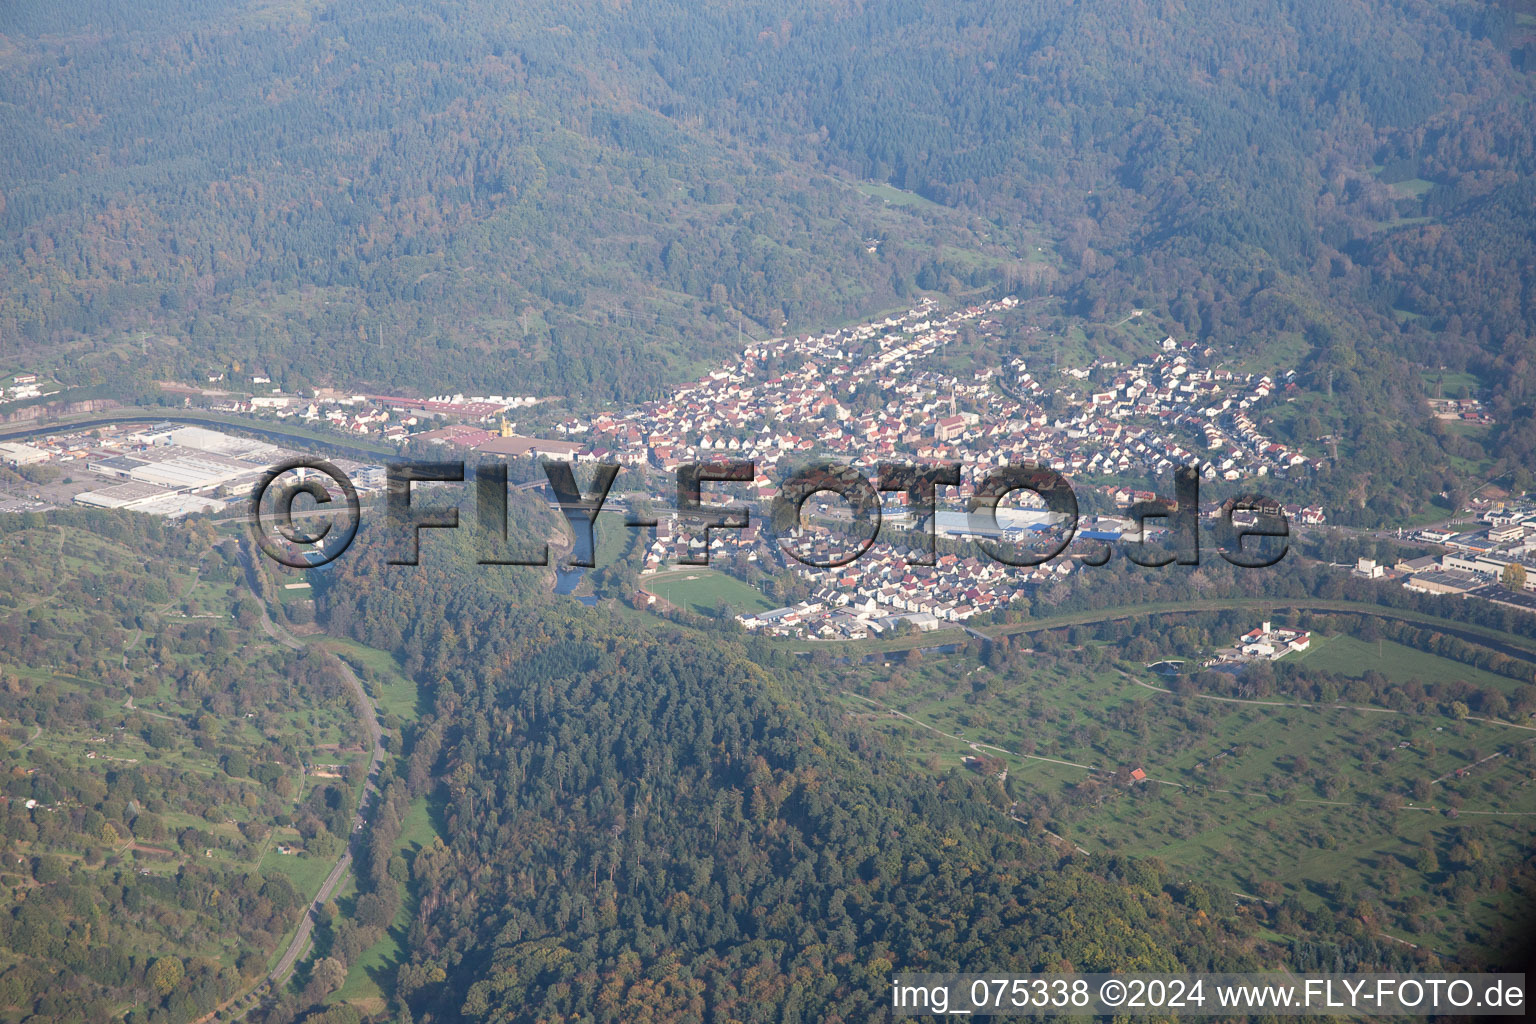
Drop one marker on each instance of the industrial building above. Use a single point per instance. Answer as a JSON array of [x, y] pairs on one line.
[[153, 499], [176, 470], [15, 454]]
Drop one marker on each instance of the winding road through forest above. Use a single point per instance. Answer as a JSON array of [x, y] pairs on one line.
[[370, 721]]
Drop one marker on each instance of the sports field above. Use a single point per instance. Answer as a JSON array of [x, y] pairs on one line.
[[705, 591]]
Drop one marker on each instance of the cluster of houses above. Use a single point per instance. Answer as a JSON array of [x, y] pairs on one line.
[[755, 410], [1169, 396], [865, 394], [831, 622], [869, 392], [670, 544], [867, 597], [1266, 643], [22, 386], [873, 594], [388, 417], [1469, 410]]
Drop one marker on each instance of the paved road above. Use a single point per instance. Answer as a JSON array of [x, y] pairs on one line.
[[300, 942]]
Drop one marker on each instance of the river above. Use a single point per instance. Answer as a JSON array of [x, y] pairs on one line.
[[567, 580]]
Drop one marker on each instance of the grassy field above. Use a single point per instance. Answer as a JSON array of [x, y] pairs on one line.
[[1451, 382], [1401, 222], [299, 594], [1283, 351], [704, 590], [306, 872], [857, 649], [1248, 796], [1345, 655], [895, 196], [369, 980], [615, 541], [1412, 188], [1258, 605], [386, 682]]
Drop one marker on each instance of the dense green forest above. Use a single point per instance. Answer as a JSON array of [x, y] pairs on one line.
[[390, 194]]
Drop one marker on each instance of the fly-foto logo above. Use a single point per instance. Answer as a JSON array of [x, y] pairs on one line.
[[274, 525]]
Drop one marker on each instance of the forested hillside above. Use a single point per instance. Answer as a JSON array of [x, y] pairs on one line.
[[648, 823], [588, 196], [512, 191], [394, 194], [635, 811], [1357, 172], [162, 824]]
